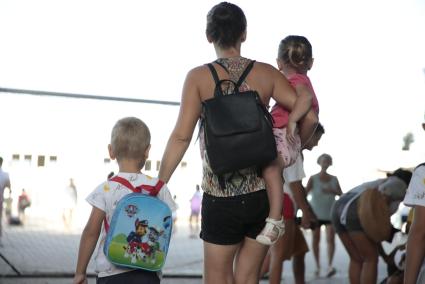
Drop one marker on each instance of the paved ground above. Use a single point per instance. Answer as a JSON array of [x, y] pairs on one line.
[[43, 252]]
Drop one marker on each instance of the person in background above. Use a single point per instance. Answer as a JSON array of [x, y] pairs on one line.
[[69, 203], [323, 187], [362, 250], [195, 209], [174, 214], [23, 203], [8, 201], [415, 252], [4, 183]]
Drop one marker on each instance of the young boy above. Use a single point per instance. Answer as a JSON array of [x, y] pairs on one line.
[[130, 144]]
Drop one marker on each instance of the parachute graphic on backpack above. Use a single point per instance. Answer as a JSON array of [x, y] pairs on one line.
[[140, 229]]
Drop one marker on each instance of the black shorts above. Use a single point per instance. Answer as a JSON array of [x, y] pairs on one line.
[[228, 220], [131, 277], [323, 222]]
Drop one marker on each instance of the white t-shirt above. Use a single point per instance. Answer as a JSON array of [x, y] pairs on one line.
[[415, 194], [4, 181], [292, 174], [105, 197]]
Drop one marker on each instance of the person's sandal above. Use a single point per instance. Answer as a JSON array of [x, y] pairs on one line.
[[331, 272], [272, 231]]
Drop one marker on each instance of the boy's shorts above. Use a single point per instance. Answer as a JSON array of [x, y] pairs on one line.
[[228, 220], [132, 277]]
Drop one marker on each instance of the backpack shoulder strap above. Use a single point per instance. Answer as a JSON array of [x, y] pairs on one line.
[[245, 73], [124, 182], [222, 65], [213, 73], [152, 190]]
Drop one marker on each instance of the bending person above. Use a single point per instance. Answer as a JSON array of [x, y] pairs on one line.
[[362, 249]]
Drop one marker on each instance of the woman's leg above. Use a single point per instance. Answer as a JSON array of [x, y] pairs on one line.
[[281, 251], [218, 263], [355, 266], [330, 239], [248, 262], [369, 253], [316, 248]]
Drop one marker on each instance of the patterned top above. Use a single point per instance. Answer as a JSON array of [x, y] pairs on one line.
[[240, 182]]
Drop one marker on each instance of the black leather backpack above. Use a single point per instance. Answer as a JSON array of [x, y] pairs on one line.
[[237, 128]]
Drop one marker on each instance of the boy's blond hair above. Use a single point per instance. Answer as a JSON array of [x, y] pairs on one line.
[[130, 138]]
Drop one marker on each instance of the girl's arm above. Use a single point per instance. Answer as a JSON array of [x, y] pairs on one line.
[[301, 107], [415, 246], [88, 243], [190, 111], [285, 95]]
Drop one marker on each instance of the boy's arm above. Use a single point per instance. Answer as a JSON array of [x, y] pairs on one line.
[[179, 141], [88, 243]]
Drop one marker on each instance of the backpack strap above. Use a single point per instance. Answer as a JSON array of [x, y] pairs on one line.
[[222, 65], [218, 91], [213, 73], [245, 73], [152, 190]]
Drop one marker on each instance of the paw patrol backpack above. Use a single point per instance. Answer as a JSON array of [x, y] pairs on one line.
[[140, 229]]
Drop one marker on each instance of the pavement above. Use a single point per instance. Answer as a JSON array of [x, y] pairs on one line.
[[43, 251]]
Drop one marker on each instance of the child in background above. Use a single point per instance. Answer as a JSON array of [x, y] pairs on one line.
[[195, 209], [23, 203], [130, 144], [295, 59]]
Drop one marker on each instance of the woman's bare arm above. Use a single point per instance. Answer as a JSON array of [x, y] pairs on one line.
[[190, 110]]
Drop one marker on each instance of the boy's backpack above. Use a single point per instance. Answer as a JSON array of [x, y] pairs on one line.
[[140, 229], [237, 128]]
